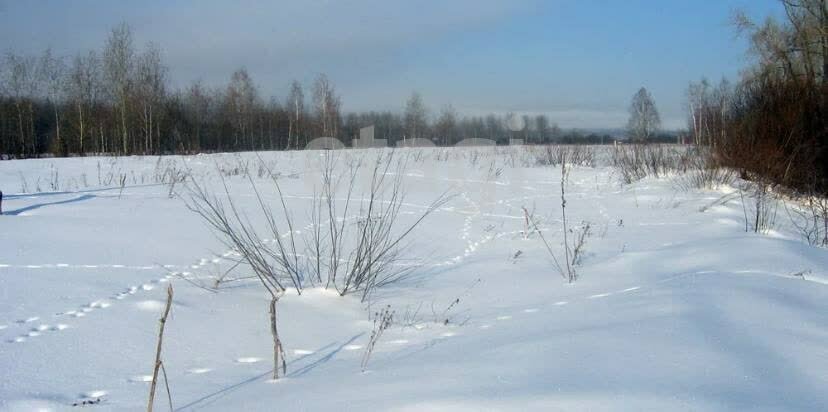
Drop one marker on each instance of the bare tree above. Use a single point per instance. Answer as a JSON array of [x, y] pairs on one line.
[[415, 116], [84, 91], [446, 126], [494, 127], [150, 90], [53, 74], [296, 107], [779, 111], [799, 50], [20, 82], [542, 128], [697, 100], [197, 103], [708, 111], [327, 104], [119, 62], [528, 128], [644, 119], [241, 99]]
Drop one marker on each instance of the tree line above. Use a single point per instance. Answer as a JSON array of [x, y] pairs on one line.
[[771, 126], [118, 100]]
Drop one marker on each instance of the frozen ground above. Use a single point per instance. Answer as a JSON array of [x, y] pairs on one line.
[[677, 308]]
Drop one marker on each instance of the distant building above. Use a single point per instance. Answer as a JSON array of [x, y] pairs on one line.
[[366, 139]]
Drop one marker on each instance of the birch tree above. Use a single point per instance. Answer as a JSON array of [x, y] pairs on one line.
[[150, 88], [644, 119], [20, 80], [241, 100], [295, 105], [83, 87], [327, 104], [415, 116], [52, 72], [447, 125], [119, 62], [197, 104]]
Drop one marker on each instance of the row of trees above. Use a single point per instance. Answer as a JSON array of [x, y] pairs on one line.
[[773, 124], [449, 127], [119, 100]]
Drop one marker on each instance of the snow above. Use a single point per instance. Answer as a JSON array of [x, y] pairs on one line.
[[676, 307]]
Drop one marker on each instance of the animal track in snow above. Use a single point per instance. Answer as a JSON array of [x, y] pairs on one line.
[[141, 378], [599, 295], [94, 394], [198, 371], [83, 266], [106, 302], [531, 310], [99, 304], [303, 352], [503, 317], [150, 305], [352, 347], [248, 360]]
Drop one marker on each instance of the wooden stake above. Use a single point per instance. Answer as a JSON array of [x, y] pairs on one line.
[[158, 363]]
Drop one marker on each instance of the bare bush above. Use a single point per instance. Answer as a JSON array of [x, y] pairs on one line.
[[567, 270], [364, 255], [274, 265], [809, 215], [758, 205], [238, 167], [637, 161], [554, 155], [704, 173], [354, 243]]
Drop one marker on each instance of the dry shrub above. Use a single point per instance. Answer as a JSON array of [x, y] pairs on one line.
[[637, 161], [554, 155]]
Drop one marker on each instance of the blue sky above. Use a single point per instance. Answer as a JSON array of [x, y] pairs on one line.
[[579, 61]]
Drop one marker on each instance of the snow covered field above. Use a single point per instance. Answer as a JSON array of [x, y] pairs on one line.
[[675, 308]]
